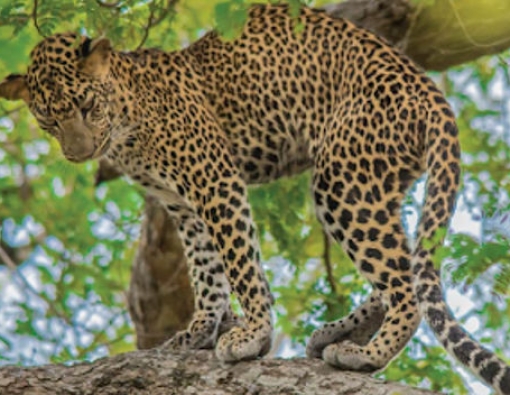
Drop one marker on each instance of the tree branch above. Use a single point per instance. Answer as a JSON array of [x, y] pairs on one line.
[[34, 18], [153, 21], [437, 35], [160, 295], [156, 372], [326, 257]]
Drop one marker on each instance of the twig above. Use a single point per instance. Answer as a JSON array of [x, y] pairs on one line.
[[26, 285], [4, 256], [327, 262], [170, 6], [34, 17], [146, 31], [152, 22]]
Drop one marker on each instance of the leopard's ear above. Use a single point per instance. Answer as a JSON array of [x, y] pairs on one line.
[[14, 87], [95, 57]]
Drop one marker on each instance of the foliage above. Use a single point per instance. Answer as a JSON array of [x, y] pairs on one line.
[[67, 246]]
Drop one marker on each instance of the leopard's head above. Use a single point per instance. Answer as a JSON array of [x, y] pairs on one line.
[[68, 89]]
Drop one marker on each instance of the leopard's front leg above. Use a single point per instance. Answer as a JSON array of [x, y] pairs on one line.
[[231, 227], [212, 313], [213, 189]]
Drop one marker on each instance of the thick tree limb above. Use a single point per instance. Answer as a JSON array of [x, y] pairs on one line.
[[436, 34], [451, 32], [158, 373]]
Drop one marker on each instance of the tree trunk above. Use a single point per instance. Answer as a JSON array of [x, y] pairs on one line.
[[196, 373], [160, 296]]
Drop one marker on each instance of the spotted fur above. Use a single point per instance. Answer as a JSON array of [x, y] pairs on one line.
[[196, 126]]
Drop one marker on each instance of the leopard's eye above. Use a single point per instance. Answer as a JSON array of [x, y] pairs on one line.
[[86, 107], [47, 124]]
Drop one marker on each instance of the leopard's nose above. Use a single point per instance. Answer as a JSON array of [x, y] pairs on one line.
[[76, 140]]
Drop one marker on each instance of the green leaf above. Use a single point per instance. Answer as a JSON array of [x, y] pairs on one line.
[[230, 17]]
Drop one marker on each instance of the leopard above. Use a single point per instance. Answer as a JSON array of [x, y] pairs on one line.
[[291, 93]]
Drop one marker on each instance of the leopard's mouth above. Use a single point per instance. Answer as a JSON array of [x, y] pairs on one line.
[[97, 153]]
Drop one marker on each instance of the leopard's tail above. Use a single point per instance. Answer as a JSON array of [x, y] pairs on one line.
[[443, 167]]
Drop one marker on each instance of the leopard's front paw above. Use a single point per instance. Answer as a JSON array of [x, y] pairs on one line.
[[200, 334], [350, 356], [243, 343]]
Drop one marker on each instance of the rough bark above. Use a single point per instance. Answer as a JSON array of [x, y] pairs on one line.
[[197, 373]]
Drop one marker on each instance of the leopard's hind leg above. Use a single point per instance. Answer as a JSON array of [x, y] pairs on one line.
[[358, 193]]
